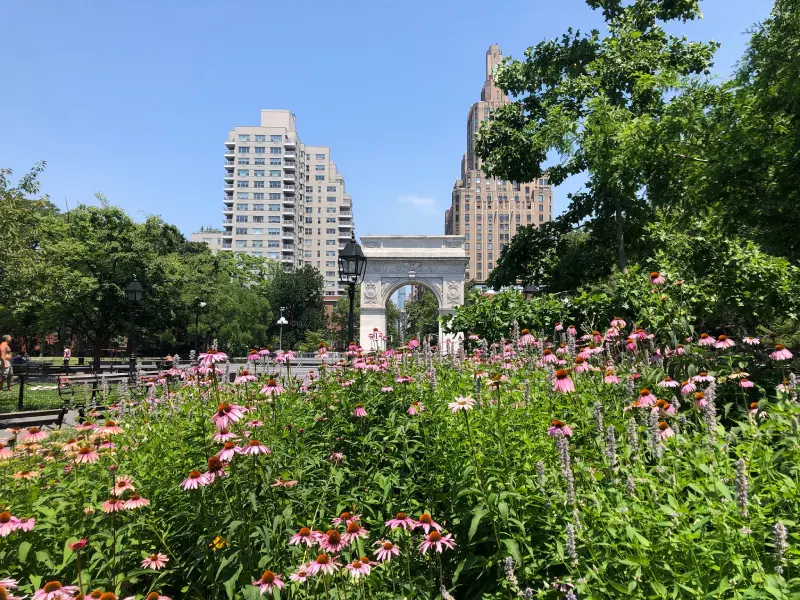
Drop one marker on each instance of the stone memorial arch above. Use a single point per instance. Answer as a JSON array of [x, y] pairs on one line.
[[436, 262]]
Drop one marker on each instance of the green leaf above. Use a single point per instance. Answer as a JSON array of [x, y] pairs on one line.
[[477, 515], [24, 548], [513, 549]]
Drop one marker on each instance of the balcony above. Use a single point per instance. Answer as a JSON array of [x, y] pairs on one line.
[[289, 167], [227, 221], [230, 143], [289, 144], [287, 235], [347, 226], [228, 187], [227, 246], [288, 177], [291, 155], [288, 249], [289, 189], [228, 199], [288, 201], [228, 176], [288, 214], [229, 163], [227, 209], [229, 153], [288, 224], [344, 235], [227, 234]]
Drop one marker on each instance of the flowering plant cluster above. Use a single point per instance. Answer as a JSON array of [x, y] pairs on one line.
[[556, 464]]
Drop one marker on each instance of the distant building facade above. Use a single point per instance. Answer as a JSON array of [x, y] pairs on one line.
[[211, 236], [488, 211]]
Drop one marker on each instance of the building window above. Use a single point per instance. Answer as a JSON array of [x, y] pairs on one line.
[[274, 207], [330, 220], [274, 231], [241, 195], [242, 184], [330, 242], [257, 244], [243, 161], [275, 196], [274, 161], [320, 168], [275, 138], [530, 218], [243, 172], [241, 231], [275, 173], [241, 218], [466, 246], [261, 150], [243, 137], [244, 149], [274, 184], [275, 219], [258, 219], [541, 218], [320, 156], [258, 207], [241, 206], [259, 161], [257, 231], [260, 138], [273, 244], [274, 150], [258, 184], [258, 196], [331, 188], [319, 177], [258, 173], [241, 243]]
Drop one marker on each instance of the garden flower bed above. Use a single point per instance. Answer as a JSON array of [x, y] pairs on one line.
[[571, 466]]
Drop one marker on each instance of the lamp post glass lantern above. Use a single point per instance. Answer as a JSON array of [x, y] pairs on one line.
[[352, 266], [199, 306], [133, 291]]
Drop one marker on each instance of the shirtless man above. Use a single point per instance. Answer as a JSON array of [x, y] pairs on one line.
[[5, 361]]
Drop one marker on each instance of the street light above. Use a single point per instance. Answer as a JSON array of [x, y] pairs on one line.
[[281, 322], [134, 292], [352, 266], [200, 305]]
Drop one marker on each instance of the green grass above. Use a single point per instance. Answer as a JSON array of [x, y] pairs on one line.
[[43, 399]]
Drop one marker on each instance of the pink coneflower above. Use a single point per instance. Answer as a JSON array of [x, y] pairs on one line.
[[244, 377], [668, 382], [227, 414], [136, 501], [745, 383], [123, 483], [109, 428], [724, 342], [664, 407], [413, 343], [85, 426], [640, 334], [558, 326], [8, 523], [253, 355], [53, 590], [76, 546], [359, 411], [27, 524], [559, 428], [254, 423], [630, 344], [268, 581], [703, 376], [304, 536], [656, 278], [272, 388], [572, 331], [344, 518], [353, 532], [336, 457], [358, 569], [263, 353], [86, 455], [751, 341], [580, 365], [386, 550], [646, 398], [780, 353], [687, 387], [563, 384], [34, 435], [526, 339], [387, 389], [416, 408], [255, 447], [224, 436], [706, 340], [302, 573], [611, 377], [229, 450], [404, 379], [426, 522], [155, 562], [700, 400], [195, 480], [461, 403], [112, 505], [784, 386], [332, 541], [6, 453], [212, 357], [284, 483], [618, 323], [26, 475], [347, 383], [435, 540], [680, 350], [401, 519], [323, 564], [548, 356], [664, 430]]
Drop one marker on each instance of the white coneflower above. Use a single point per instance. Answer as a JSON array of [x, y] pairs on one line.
[[742, 485], [571, 549], [540, 473], [780, 545], [598, 417], [630, 485], [633, 435], [611, 446]]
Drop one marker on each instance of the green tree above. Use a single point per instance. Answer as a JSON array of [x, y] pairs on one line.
[[300, 294], [583, 97], [422, 315], [393, 316], [339, 319]]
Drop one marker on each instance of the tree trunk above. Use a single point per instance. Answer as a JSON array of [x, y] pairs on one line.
[[620, 223], [97, 348]]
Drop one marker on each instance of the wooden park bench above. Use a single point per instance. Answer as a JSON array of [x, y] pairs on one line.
[[33, 418]]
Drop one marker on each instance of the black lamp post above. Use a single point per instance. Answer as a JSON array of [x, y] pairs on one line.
[[352, 266], [134, 292], [199, 305]]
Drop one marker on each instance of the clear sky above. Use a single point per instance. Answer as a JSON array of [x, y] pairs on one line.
[[135, 99]]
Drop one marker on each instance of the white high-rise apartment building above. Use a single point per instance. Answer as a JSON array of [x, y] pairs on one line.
[[284, 200]]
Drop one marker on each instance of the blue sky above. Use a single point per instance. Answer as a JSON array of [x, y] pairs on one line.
[[135, 99]]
